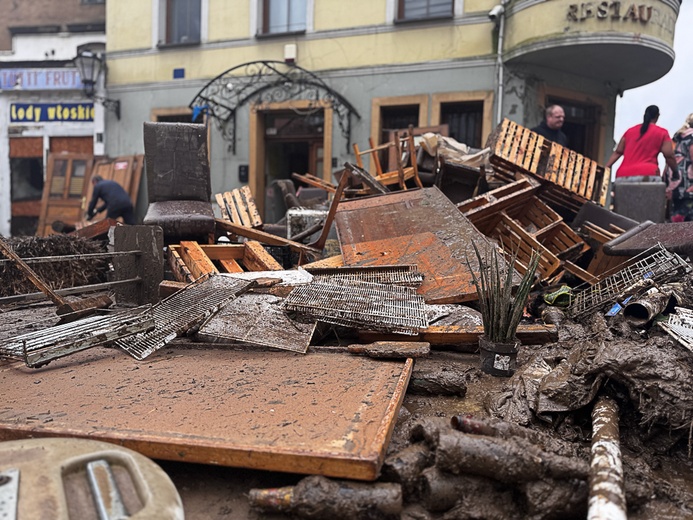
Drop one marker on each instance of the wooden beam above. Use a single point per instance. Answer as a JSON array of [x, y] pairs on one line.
[[196, 260], [533, 334], [266, 238], [180, 271], [258, 259]]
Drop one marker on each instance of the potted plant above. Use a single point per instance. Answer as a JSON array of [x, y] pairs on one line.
[[501, 308]]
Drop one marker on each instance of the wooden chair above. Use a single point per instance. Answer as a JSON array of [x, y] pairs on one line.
[[405, 154]]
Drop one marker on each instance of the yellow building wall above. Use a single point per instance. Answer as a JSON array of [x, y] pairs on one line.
[[229, 20], [345, 15], [128, 25], [392, 48], [551, 19], [477, 6]]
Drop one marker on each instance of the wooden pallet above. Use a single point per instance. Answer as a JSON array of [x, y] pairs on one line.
[[516, 148], [577, 174], [238, 206]]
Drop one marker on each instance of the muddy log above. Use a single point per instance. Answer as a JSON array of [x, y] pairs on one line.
[[428, 429], [392, 349], [440, 491], [607, 499], [509, 461], [556, 499], [434, 379], [320, 498], [405, 467]]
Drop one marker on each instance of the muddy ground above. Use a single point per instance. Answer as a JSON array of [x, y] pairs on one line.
[[551, 395]]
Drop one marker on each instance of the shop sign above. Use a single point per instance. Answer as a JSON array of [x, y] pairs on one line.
[[40, 79], [51, 112], [619, 11]]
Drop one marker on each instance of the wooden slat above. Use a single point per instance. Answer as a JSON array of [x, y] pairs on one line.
[[577, 179], [224, 251], [196, 260], [241, 208], [231, 266], [256, 258], [180, 271], [589, 185], [222, 206], [253, 213], [231, 207], [332, 261]]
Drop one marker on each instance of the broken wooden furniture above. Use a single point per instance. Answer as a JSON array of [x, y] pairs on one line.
[[238, 206], [64, 191], [83, 478], [189, 260], [405, 158], [521, 222], [341, 409], [178, 181]]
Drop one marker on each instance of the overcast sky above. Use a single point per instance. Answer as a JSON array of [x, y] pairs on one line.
[[671, 93]]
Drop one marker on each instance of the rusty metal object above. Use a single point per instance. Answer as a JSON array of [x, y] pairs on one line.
[[381, 307], [406, 275], [607, 499], [258, 319], [68, 310], [392, 349], [319, 498], [180, 312], [41, 347]]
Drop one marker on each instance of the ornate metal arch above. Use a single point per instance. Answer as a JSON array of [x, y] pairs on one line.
[[261, 82]]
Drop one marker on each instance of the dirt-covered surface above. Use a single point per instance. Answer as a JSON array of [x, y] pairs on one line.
[[524, 449]]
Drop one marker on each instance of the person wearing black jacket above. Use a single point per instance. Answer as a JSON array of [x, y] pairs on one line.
[[550, 127], [115, 200]]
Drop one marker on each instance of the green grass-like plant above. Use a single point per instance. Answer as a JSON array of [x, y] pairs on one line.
[[501, 310]]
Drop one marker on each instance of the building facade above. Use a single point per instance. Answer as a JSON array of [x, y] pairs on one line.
[[42, 107], [289, 85]]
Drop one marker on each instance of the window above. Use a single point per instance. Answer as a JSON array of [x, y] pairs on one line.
[[423, 9], [283, 16], [464, 121], [183, 21], [93, 1]]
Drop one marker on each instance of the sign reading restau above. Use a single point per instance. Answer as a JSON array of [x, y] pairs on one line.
[[51, 112]]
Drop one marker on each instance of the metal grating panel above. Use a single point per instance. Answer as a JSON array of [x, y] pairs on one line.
[[680, 327], [43, 346], [183, 310], [366, 305], [405, 275], [655, 265]]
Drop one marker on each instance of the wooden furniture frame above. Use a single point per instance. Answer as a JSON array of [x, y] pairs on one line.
[[405, 155]]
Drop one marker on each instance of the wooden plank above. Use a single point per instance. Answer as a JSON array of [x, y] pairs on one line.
[[332, 261], [578, 169], [256, 258], [222, 205], [224, 251], [231, 208], [180, 271], [197, 261], [528, 334], [579, 272], [253, 213], [231, 266], [241, 208], [589, 185], [169, 287], [334, 416], [266, 238]]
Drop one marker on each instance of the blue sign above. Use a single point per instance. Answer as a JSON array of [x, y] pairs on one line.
[[40, 79], [51, 112]]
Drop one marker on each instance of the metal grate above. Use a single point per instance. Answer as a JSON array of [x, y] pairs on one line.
[[183, 310], [405, 275], [655, 265], [41, 347], [680, 327], [357, 304]]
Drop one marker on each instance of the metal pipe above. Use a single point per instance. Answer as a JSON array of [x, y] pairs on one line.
[[644, 309], [499, 64], [607, 499], [65, 258], [68, 291]]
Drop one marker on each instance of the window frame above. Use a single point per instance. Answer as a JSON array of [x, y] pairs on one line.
[[474, 96], [263, 29], [400, 16], [165, 23]]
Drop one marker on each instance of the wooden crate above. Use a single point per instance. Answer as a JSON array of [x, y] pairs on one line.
[[514, 239], [562, 241], [534, 215], [514, 147], [190, 260]]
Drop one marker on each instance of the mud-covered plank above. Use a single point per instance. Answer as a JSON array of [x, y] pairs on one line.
[[196, 260], [256, 258]]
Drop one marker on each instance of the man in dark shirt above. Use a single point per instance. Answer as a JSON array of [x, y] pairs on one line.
[[550, 127], [114, 198]]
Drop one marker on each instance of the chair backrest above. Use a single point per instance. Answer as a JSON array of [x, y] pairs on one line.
[[177, 162]]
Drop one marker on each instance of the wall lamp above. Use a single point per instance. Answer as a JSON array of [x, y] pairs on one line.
[[90, 66]]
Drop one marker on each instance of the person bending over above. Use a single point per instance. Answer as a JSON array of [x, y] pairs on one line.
[[115, 200]]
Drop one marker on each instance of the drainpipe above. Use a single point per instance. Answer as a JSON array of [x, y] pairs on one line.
[[497, 14]]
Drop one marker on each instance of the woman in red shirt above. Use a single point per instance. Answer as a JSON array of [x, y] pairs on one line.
[[640, 146]]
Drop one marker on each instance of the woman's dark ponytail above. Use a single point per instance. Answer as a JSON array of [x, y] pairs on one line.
[[651, 113]]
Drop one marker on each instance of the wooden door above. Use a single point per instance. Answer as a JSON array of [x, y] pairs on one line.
[[64, 193]]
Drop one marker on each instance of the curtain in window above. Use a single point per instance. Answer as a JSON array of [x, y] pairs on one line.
[[184, 19], [413, 9], [286, 15]]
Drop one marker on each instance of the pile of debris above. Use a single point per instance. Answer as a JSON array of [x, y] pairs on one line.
[[318, 365]]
